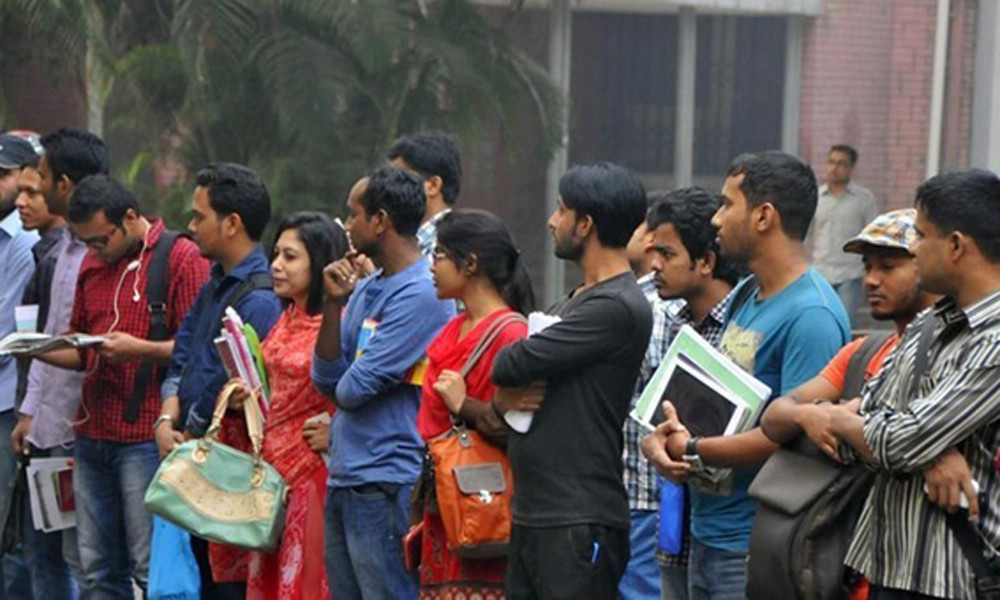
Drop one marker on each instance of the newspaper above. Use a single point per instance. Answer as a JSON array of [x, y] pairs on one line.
[[26, 343]]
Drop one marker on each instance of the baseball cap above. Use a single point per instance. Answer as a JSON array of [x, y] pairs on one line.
[[893, 229], [15, 152]]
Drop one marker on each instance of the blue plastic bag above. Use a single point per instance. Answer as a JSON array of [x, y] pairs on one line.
[[173, 570], [671, 536]]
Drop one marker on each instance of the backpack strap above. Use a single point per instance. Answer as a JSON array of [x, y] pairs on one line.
[[972, 545], [257, 281], [157, 288], [857, 367]]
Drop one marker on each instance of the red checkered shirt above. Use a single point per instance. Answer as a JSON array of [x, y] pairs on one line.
[[107, 387]]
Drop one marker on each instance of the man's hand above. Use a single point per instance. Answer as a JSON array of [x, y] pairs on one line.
[[451, 387], [340, 276], [525, 399], [316, 432], [677, 434], [120, 347], [947, 479], [17, 436], [167, 438], [654, 448]]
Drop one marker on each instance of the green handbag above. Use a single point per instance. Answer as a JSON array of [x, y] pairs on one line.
[[219, 493]]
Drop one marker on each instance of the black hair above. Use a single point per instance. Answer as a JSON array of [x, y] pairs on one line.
[[100, 193], [400, 194], [325, 241], [75, 154], [690, 211], [848, 150], [611, 195], [966, 201], [464, 233], [784, 181], [432, 153], [235, 189]]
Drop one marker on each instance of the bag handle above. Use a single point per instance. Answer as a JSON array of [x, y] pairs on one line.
[[255, 425]]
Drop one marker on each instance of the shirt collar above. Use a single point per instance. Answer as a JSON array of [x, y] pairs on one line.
[[11, 224], [251, 263], [982, 313], [717, 314], [848, 189]]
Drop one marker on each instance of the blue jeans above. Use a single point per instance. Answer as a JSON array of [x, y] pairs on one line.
[[15, 581], [852, 294], [363, 546], [53, 558], [114, 529], [674, 580], [641, 580], [715, 574]]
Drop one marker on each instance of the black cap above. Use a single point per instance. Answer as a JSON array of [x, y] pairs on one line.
[[15, 152]]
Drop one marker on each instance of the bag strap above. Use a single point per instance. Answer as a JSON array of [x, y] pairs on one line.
[[157, 288], [489, 336], [972, 547], [257, 281], [923, 355], [857, 367]]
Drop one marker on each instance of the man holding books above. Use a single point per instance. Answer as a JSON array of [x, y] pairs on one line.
[[785, 323], [230, 208]]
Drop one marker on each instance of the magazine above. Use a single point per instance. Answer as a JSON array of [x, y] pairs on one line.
[[519, 420], [37, 343], [712, 395]]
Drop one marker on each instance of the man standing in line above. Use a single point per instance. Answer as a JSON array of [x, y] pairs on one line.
[[52, 395], [784, 325], [367, 358], [905, 544], [434, 156], [115, 455], [570, 534], [690, 270], [844, 207], [230, 208], [641, 578], [16, 268]]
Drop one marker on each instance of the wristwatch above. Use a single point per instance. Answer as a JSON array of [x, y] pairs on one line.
[[162, 418], [691, 454]]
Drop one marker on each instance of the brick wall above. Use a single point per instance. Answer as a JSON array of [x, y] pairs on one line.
[[867, 70]]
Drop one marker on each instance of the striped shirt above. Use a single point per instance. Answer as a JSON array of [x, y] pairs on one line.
[[902, 540], [639, 475]]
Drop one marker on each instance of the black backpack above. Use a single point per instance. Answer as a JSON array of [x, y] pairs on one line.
[[808, 507]]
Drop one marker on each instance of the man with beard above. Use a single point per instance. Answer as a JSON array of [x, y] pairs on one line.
[[570, 534], [375, 330], [784, 325]]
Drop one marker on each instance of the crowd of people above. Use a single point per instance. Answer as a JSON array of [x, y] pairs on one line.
[[405, 325]]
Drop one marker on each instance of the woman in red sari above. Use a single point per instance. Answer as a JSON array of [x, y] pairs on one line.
[[306, 242], [475, 261]]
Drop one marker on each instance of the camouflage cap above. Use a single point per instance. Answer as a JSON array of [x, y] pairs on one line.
[[893, 229]]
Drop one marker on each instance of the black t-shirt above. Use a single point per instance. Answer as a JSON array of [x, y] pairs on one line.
[[568, 467]]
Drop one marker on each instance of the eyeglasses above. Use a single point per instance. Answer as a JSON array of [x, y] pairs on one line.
[[98, 242]]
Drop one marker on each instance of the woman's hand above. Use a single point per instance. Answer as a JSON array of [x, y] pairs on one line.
[[451, 387], [239, 395]]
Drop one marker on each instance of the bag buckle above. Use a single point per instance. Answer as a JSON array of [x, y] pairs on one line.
[[485, 496]]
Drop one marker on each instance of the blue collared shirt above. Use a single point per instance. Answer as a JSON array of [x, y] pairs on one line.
[[196, 374], [17, 265]]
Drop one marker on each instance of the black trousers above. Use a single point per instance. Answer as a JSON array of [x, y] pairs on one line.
[[561, 563], [209, 589]]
